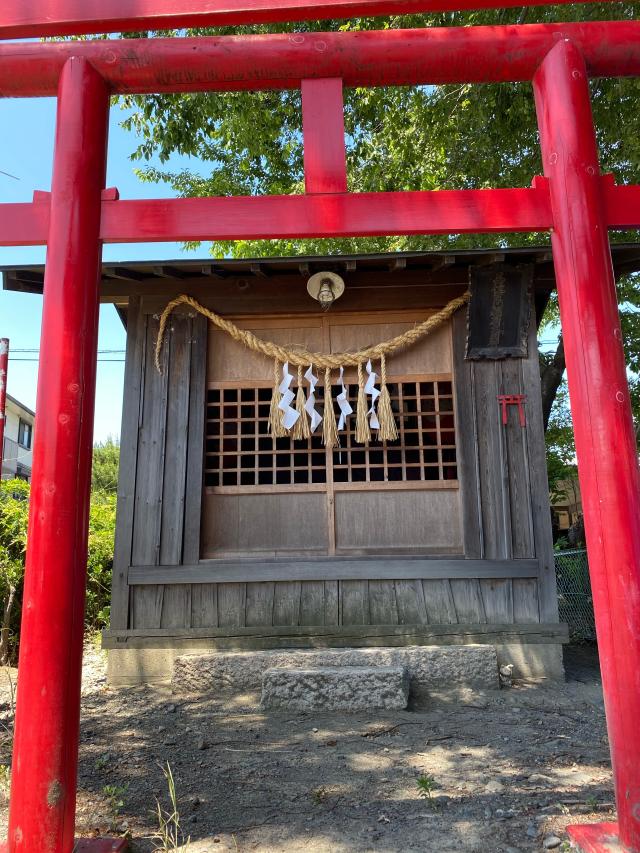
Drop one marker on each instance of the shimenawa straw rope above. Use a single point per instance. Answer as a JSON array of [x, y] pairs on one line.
[[388, 430], [330, 437], [276, 427], [302, 357], [301, 430]]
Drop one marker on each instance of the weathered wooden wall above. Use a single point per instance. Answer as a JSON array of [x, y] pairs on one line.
[[504, 506], [160, 482], [503, 478]]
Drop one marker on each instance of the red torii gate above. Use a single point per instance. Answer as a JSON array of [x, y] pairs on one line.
[[573, 201]]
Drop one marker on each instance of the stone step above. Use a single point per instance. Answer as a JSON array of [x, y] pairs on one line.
[[430, 667], [336, 688]]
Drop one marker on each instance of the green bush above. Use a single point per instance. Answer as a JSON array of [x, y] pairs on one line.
[[102, 525], [14, 509], [104, 470]]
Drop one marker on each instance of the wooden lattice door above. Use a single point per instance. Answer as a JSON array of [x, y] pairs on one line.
[[286, 498]]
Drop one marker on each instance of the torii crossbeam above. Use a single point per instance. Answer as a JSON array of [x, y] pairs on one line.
[[573, 201], [76, 17]]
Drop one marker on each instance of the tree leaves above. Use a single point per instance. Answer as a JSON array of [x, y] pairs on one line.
[[398, 138]]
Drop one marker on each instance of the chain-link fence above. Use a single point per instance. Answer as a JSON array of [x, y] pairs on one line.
[[574, 594]]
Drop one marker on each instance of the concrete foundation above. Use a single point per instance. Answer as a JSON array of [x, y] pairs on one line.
[[130, 666], [533, 660], [435, 667]]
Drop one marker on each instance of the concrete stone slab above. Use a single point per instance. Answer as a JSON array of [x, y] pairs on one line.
[[336, 688], [429, 667]]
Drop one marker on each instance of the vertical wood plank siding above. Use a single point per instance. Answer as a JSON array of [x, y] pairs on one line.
[[127, 470], [195, 446], [539, 484], [503, 479], [160, 479], [466, 441], [503, 500]]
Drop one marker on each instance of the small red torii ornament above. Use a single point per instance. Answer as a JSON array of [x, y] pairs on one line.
[[513, 400]]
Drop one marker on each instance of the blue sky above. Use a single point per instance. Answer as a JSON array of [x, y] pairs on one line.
[[26, 152]]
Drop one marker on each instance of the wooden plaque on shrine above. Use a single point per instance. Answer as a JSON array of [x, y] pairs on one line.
[[499, 311]]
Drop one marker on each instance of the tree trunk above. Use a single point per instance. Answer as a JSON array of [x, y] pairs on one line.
[[6, 624], [550, 380]]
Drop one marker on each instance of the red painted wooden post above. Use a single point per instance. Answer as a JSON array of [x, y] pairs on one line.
[[44, 768], [4, 364], [601, 409], [325, 167]]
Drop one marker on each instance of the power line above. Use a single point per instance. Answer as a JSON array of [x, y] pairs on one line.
[[37, 350], [100, 360]]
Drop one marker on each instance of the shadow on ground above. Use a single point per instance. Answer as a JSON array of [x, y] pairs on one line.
[[509, 769]]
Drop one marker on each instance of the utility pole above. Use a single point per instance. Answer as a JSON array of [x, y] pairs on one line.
[[4, 364]]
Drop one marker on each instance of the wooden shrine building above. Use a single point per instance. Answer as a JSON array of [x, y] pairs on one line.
[[227, 538]]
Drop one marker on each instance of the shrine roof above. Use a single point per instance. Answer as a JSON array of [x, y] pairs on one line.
[[123, 278]]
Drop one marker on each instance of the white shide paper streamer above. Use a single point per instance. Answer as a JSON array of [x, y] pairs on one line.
[[310, 405], [344, 405], [290, 415], [370, 388]]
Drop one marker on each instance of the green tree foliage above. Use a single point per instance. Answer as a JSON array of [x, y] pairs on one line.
[[561, 449], [398, 138], [102, 525], [14, 511], [104, 473]]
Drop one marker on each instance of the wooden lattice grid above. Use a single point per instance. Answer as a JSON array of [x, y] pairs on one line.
[[240, 452]]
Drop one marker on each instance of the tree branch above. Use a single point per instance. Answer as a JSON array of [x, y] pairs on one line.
[[551, 374], [6, 626]]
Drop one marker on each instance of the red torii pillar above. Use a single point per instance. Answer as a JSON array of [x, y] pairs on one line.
[[44, 771], [601, 409]]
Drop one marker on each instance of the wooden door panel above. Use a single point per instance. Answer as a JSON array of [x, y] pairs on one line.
[[264, 524], [426, 522]]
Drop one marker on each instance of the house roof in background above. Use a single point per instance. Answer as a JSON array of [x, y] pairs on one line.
[[21, 405]]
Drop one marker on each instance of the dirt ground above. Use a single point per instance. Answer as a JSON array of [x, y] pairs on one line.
[[509, 770]]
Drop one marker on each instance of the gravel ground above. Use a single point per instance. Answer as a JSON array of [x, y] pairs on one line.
[[508, 770]]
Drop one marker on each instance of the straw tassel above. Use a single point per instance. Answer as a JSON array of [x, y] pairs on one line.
[[330, 437], [276, 428], [301, 429], [363, 433], [388, 430]]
